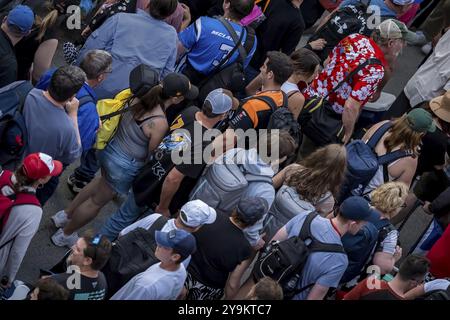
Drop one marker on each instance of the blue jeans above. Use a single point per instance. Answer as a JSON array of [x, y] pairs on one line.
[[88, 166], [128, 213], [119, 169]]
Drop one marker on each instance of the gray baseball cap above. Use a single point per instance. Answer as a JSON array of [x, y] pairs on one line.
[[221, 103]]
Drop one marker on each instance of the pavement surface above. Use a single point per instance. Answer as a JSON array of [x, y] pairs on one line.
[[43, 254]]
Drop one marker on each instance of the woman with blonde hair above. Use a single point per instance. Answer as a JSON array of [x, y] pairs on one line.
[[307, 186], [377, 242], [405, 134]]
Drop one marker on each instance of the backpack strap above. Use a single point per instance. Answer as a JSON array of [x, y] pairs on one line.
[[348, 78], [22, 91], [26, 198], [85, 99], [378, 134], [316, 245], [237, 40], [267, 100], [5, 178], [158, 224], [256, 178]]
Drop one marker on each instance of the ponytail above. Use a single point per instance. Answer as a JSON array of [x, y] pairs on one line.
[[47, 22], [150, 100]]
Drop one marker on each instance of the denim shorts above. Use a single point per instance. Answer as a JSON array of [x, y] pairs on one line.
[[119, 169]]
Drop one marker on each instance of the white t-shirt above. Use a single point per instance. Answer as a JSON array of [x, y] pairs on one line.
[[153, 284], [289, 87]]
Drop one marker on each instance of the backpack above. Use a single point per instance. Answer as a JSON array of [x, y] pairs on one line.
[[363, 163], [8, 202], [13, 131], [342, 23], [359, 247], [287, 205], [436, 295], [110, 111], [131, 254], [225, 181], [283, 261], [232, 76], [281, 117]]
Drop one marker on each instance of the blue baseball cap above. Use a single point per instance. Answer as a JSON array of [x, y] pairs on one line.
[[358, 209], [250, 210], [21, 17], [179, 240]]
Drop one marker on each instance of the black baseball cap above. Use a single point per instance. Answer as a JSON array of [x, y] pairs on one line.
[[250, 210], [177, 85]]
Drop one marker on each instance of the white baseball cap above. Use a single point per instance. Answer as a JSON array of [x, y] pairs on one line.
[[197, 213]]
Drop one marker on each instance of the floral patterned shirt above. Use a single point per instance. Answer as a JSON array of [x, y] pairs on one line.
[[345, 57]]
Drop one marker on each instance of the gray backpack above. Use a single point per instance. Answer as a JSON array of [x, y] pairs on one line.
[[287, 205], [223, 183]]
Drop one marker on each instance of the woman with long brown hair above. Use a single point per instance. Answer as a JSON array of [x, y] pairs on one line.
[[308, 186], [140, 131], [405, 134]]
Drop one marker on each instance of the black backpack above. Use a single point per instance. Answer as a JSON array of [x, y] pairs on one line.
[[131, 254], [13, 132], [436, 295], [283, 261], [342, 23], [281, 117]]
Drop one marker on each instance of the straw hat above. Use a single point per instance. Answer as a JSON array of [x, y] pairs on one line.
[[441, 106]]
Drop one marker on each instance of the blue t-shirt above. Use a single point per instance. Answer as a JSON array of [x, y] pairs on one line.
[[208, 42], [385, 11], [324, 268], [88, 120]]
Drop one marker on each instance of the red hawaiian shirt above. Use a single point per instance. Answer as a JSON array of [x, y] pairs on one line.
[[345, 57]]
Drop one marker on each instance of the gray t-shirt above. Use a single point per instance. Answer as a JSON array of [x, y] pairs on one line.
[[50, 129], [324, 268]]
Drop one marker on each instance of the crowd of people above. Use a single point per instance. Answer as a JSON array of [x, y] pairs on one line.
[[249, 167]]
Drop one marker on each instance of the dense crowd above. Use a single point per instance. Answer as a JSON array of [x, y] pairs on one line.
[[250, 167]]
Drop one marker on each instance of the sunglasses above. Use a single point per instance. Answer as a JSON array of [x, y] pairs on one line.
[[95, 242]]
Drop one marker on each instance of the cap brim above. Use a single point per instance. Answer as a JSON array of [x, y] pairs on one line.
[[162, 240], [410, 36], [212, 217], [58, 168], [432, 128], [192, 93]]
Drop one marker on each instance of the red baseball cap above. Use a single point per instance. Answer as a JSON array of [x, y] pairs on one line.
[[41, 165]]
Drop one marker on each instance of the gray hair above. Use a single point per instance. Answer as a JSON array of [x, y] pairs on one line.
[[95, 63]]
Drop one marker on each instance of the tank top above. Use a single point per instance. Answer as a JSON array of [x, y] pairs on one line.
[[131, 137]]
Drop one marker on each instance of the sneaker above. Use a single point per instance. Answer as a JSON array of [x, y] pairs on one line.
[[426, 49], [60, 219], [74, 184], [61, 240]]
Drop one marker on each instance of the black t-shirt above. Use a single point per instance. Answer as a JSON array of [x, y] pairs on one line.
[[89, 288], [281, 30], [221, 246], [432, 151], [8, 61], [161, 161]]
